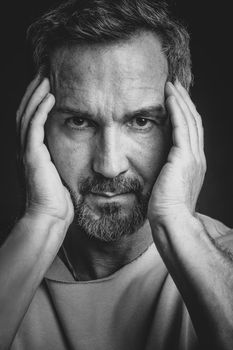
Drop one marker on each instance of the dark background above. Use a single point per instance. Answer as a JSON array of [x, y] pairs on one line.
[[209, 24]]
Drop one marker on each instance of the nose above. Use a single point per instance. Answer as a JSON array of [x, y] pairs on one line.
[[110, 156]]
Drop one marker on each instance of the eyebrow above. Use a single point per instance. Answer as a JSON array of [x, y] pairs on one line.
[[153, 112], [157, 112]]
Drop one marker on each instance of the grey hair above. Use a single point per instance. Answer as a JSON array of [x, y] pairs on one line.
[[107, 21]]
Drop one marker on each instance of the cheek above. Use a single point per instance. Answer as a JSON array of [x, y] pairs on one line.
[[150, 156], [72, 159]]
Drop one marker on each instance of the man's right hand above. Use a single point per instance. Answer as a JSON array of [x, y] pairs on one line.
[[36, 238], [45, 193]]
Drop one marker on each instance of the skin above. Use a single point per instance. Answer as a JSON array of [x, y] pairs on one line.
[[109, 83], [201, 269], [102, 88]]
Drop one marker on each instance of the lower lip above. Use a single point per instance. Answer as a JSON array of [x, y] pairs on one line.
[[120, 198]]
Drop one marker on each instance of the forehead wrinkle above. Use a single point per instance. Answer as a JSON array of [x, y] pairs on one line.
[[71, 93], [106, 62], [114, 105], [106, 80]]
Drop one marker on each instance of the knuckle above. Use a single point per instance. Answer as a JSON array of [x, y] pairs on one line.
[[40, 109], [28, 157], [204, 164], [32, 122], [198, 163], [29, 161], [200, 167], [199, 119]]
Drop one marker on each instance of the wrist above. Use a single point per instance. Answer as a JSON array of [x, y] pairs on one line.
[[34, 221], [180, 223], [36, 213], [171, 215], [180, 230]]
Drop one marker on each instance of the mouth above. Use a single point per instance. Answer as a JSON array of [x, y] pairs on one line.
[[109, 194], [101, 198]]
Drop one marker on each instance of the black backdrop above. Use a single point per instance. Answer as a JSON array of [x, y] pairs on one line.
[[208, 22]]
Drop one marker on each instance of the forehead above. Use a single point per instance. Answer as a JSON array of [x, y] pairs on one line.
[[127, 72]]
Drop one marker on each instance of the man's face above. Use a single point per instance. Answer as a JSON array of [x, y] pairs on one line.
[[108, 133]]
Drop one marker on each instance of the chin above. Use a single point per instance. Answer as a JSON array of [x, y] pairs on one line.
[[111, 223]]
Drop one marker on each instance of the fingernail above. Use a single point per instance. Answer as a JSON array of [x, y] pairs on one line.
[[169, 83], [45, 80], [48, 96], [179, 84]]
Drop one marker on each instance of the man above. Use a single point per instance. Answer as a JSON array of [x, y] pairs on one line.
[[110, 252]]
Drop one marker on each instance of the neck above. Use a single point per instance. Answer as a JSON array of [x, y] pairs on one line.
[[94, 259]]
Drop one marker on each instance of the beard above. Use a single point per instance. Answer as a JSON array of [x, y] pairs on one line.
[[113, 221]]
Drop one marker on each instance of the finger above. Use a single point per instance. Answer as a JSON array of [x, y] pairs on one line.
[[196, 115], [19, 114], [29, 91], [180, 132], [191, 122], [38, 95], [36, 131], [186, 97]]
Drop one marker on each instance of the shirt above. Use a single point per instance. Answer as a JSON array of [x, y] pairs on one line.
[[138, 307]]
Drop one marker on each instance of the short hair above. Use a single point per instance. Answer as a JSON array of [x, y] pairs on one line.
[[108, 21]]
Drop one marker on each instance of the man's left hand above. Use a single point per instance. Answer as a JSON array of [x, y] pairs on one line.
[[179, 183]]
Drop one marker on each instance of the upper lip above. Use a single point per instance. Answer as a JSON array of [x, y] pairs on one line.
[[108, 194]]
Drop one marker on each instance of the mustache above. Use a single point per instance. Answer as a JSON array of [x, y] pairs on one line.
[[119, 185]]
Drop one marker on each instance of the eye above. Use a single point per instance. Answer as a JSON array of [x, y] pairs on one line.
[[141, 123], [78, 123]]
